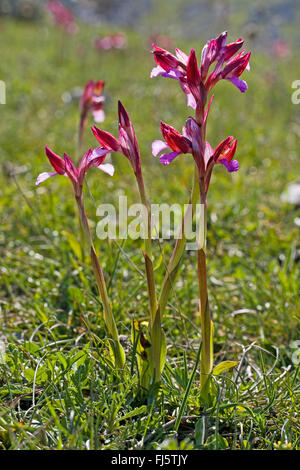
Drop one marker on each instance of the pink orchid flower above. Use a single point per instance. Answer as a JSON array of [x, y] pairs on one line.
[[62, 16], [127, 142], [114, 41], [189, 142], [194, 80], [281, 49], [65, 166], [93, 99], [171, 66]]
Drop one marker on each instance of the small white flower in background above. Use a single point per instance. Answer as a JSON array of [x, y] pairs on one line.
[[292, 194]]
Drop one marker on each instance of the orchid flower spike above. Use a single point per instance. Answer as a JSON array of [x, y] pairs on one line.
[[126, 143], [63, 16], [189, 142], [65, 166], [113, 41], [93, 99], [194, 79]]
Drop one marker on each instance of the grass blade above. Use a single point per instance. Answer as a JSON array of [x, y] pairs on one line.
[[188, 389]]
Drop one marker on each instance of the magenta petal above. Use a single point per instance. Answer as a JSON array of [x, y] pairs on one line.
[[167, 158], [106, 140], [158, 146], [71, 170], [56, 161], [124, 119], [231, 166], [43, 177], [83, 164], [240, 84]]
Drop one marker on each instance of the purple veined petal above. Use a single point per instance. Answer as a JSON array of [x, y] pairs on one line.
[[97, 153], [43, 177], [157, 71], [98, 115], [167, 158], [231, 166], [172, 73], [158, 146], [240, 84], [107, 168], [95, 159], [190, 101]]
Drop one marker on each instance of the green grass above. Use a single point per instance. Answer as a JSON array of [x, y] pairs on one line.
[[57, 387]]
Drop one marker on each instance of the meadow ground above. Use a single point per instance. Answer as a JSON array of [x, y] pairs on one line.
[[57, 387]]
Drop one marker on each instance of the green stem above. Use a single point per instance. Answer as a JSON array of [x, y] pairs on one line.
[[206, 323], [81, 127], [156, 333], [157, 309], [174, 263], [148, 249], [116, 348]]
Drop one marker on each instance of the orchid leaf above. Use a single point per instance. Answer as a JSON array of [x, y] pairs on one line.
[[163, 351]]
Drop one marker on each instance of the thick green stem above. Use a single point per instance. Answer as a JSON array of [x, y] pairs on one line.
[[116, 348]]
